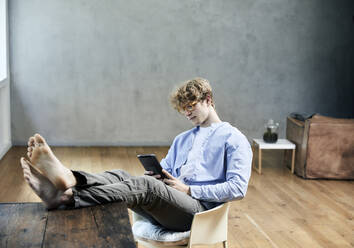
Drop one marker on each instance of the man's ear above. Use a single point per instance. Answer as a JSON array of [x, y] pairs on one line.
[[208, 100]]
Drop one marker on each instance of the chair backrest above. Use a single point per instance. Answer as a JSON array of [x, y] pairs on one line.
[[210, 227]]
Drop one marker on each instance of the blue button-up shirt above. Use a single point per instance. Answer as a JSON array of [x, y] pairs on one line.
[[224, 169]]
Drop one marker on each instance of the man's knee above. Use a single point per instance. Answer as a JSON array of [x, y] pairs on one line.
[[119, 173]]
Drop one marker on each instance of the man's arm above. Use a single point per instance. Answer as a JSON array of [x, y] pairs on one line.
[[238, 172], [167, 163]]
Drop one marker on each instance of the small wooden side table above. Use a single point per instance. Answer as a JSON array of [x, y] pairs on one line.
[[283, 144]]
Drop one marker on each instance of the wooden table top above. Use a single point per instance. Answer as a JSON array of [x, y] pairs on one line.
[[31, 225]]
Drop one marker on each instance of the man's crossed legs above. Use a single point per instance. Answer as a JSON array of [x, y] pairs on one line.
[[58, 186]]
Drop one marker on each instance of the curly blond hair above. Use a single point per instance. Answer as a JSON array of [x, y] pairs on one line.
[[193, 90]]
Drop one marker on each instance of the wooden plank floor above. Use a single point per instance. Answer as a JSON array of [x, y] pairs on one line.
[[280, 209]]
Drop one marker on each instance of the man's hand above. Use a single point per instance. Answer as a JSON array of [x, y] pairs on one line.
[[175, 183], [151, 173]]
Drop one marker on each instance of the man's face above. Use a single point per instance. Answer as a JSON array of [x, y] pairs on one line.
[[197, 112]]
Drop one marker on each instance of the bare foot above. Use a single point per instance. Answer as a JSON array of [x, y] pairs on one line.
[[42, 157], [50, 195]]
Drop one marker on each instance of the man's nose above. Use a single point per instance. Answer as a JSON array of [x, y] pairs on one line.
[[187, 112]]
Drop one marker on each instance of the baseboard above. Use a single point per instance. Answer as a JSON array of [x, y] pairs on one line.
[[4, 149]]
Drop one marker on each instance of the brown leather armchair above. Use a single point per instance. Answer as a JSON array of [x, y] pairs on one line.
[[324, 147]]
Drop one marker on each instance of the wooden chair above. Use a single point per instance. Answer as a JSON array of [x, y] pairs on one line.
[[208, 227]]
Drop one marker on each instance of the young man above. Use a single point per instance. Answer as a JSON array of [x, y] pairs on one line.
[[205, 166]]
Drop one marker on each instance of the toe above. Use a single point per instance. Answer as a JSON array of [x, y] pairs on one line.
[[22, 160], [30, 141], [29, 154], [24, 163], [39, 139]]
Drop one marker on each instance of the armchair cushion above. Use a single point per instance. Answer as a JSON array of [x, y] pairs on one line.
[[145, 230]]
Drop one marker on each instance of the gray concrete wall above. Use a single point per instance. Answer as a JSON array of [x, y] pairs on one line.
[[92, 72]]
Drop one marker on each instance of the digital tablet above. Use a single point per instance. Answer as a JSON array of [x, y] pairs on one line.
[[150, 163]]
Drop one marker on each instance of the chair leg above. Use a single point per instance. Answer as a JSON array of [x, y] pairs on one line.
[[225, 244]]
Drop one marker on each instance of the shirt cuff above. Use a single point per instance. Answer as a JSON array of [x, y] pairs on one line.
[[196, 191]]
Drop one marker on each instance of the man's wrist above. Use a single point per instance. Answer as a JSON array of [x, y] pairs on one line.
[[189, 191]]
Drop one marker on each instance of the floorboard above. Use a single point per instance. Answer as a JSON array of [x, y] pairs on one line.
[[280, 209]]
